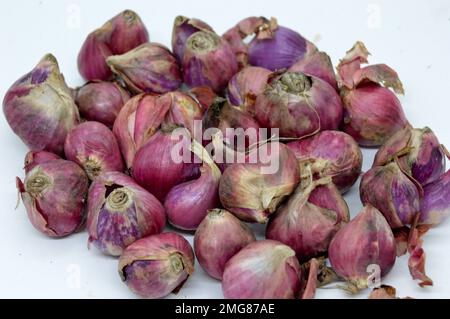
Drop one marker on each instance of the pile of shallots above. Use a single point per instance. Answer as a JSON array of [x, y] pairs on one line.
[[102, 156]]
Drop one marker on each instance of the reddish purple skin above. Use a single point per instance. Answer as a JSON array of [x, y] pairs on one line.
[[113, 229], [182, 32], [32, 159], [101, 101], [249, 82], [389, 190], [213, 68], [238, 198], [118, 35], [309, 227], [128, 32], [149, 68], [317, 64], [27, 103], [92, 58], [154, 168], [299, 116], [284, 49], [425, 159], [67, 188], [263, 269], [218, 238], [94, 141], [366, 240], [435, 204], [372, 114], [338, 150], [188, 203], [145, 265]]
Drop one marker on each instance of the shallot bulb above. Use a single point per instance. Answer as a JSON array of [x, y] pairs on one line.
[[253, 194], [121, 212], [33, 159], [54, 194], [183, 28], [218, 238], [204, 95], [272, 47], [373, 113], [157, 265], [154, 167], [118, 35], [392, 192], [264, 269], [39, 107], [184, 110], [208, 60], [246, 85], [188, 203], [101, 101], [309, 220], [318, 64], [139, 119], [331, 153], [418, 151], [222, 116], [435, 204], [366, 244], [94, 147], [299, 105], [150, 67]]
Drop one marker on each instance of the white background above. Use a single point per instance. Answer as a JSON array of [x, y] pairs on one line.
[[411, 36]]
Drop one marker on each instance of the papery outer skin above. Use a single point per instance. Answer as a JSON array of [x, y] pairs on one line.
[[183, 111], [32, 159], [223, 116], [331, 153], [419, 153], [279, 52], [138, 120], [263, 269], [435, 204], [218, 238], [56, 210], [318, 64], [183, 28], [417, 257], [246, 85], [94, 147], [308, 221], [213, 66], [311, 284], [146, 268], [92, 57], [204, 95], [112, 229], [302, 114], [153, 166], [39, 107], [236, 36], [253, 196], [150, 67], [101, 101], [389, 190], [188, 203], [383, 292], [128, 32], [372, 114], [118, 35], [366, 240]]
